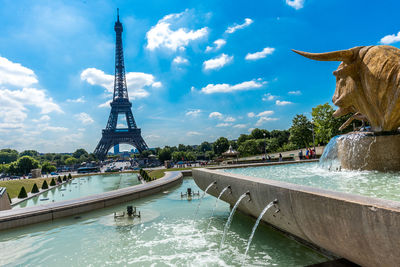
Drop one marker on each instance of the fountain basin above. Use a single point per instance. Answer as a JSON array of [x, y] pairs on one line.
[[361, 229], [369, 151]]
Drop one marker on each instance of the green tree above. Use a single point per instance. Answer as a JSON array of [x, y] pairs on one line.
[[31, 153], [242, 138], [4, 168], [300, 132], [47, 167], [25, 164], [220, 145], [178, 155], [71, 161], [79, 152], [325, 125], [181, 147], [145, 153], [249, 147], [210, 155], [205, 146], [281, 135], [164, 154], [8, 156], [190, 156]]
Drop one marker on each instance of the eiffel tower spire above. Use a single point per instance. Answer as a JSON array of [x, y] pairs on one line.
[[120, 104]]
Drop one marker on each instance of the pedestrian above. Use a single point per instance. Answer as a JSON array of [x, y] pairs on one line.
[[307, 153], [301, 154], [280, 157]]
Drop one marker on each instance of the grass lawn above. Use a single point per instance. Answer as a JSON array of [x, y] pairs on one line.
[[14, 186]]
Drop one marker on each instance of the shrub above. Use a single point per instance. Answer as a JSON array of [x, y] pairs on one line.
[[59, 179], [35, 188], [69, 176], [22, 193], [65, 178], [45, 185], [53, 182]]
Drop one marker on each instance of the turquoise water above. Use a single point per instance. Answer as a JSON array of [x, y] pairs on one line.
[[166, 235], [367, 183], [81, 187]]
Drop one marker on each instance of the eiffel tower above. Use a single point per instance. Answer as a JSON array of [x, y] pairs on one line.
[[120, 104]]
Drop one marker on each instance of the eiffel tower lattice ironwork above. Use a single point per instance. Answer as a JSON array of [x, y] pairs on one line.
[[120, 104]]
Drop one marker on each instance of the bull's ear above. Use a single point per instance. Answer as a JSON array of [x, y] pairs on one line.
[[341, 55]]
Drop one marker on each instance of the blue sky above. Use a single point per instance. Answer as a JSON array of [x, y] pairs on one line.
[[196, 70]]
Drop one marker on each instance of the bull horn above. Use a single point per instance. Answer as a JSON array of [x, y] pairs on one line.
[[342, 55]]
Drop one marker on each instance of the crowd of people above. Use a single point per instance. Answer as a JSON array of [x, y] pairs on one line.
[[310, 154]]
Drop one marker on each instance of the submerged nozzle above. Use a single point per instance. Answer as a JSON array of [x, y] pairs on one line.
[[275, 201]]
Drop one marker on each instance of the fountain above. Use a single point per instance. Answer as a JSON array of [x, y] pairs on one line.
[[228, 222], [205, 192], [256, 225], [367, 85], [216, 203]]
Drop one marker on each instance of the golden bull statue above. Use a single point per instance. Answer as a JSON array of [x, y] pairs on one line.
[[367, 84]]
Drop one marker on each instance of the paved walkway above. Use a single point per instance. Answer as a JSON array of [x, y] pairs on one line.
[[318, 149]]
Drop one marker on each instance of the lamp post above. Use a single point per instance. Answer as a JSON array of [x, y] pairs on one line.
[[313, 137]]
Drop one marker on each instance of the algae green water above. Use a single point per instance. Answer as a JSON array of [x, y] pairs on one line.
[[366, 183], [164, 236], [81, 187]]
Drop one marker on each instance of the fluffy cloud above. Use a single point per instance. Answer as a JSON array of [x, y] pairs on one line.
[[105, 104], [294, 92], [268, 97], [78, 100], [223, 124], [137, 82], [251, 115], [229, 119], [218, 62], [217, 45], [84, 118], [165, 33], [240, 126], [296, 4], [227, 88], [390, 39], [264, 119], [282, 103], [180, 60], [193, 113], [262, 54], [236, 27], [265, 113], [192, 133], [215, 114], [15, 74]]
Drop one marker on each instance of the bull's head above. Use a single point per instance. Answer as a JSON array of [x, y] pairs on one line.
[[364, 83]]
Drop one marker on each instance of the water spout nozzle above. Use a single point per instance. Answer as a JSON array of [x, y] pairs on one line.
[[275, 201], [248, 194], [230, 189]]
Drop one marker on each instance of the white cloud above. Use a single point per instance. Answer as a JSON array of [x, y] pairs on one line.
[[84, 118], [250, 130], [137, 82], [268, 97], [229, 119], [193, 113], [390, 39], [52, 128], [265, 113], [42, 118], [180, 60], [105, 104], [192, 133], [153, 136], [298, 92], [217, 45], [296, 4], [223, 124], [78, 100], [120, 125], [282, 103], [15, 74], [215, 114], [240, 126], [166, 34], [227, 88], [236, 27], [262, 54], [218, 62], [264, 119], [251, 114]]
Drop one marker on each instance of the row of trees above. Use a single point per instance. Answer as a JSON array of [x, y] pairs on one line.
[[15, 163]]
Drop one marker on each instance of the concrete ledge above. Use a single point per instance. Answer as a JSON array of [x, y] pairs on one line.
[[361, 229], [30, 215]]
